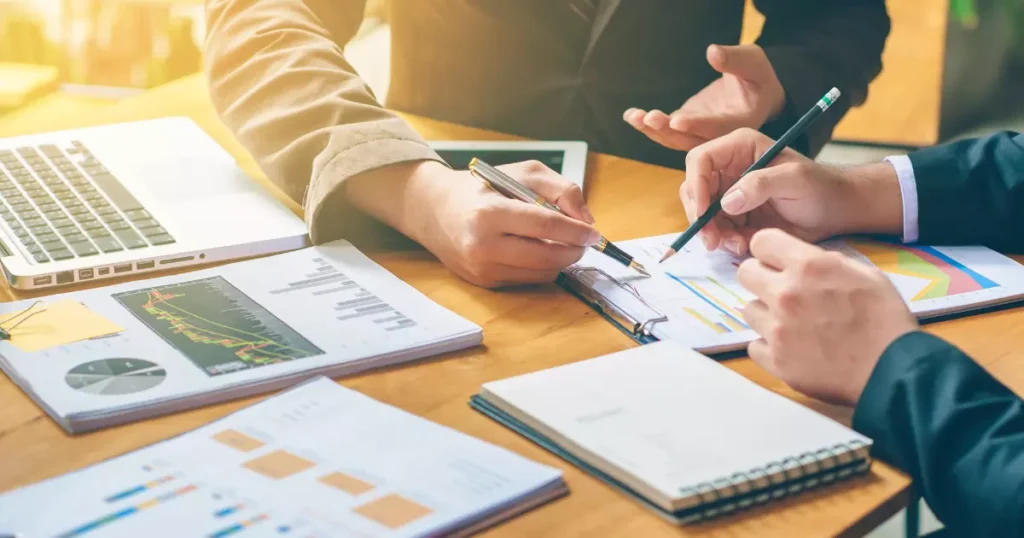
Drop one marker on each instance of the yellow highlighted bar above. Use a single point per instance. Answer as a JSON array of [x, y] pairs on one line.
[[711, 325]]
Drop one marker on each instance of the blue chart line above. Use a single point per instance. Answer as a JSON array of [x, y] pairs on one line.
[[138, 489], [727, 312]]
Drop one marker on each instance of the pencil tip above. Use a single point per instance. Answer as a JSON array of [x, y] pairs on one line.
[[668, 254]]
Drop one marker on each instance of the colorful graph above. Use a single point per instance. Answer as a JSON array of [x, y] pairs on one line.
[[139, 489], [240, 526], [944, 276], [123, 513], [215, 325], [718, 305]]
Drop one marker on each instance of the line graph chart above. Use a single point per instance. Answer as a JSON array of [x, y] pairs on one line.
[[216, 326], [713, 304]]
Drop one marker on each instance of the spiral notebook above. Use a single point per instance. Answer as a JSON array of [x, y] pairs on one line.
[[694, 297], [678, 432]]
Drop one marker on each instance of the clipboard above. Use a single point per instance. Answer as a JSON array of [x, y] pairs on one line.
[[637, 328]]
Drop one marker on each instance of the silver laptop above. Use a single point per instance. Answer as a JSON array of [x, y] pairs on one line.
[[89, 204]]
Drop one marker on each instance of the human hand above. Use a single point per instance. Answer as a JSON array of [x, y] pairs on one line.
[[809, 200], [480, 235], [746, 95], [824, 319]]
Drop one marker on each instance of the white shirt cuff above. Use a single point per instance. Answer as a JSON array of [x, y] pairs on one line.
[[908, 189]]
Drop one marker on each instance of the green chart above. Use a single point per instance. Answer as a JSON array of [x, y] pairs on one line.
[[216, 326]]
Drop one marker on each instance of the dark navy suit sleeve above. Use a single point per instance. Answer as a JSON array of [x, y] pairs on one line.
[[937, 415], [972, 192], [815, 45]]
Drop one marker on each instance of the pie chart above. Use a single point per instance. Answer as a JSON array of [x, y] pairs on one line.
[[115, 376]]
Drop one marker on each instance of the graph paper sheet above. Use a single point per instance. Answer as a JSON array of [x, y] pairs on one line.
[[314, 462], [698, 292], [233, 330]]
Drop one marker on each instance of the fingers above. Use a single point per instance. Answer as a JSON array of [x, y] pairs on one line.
[[696, 193], [735, 240], [759, 279], [705, 124], [526, 220], [756, 188], [758, 317], [533, 254], [744, 61], [779, 250], [554, 188], [655, 125], [729, 155]]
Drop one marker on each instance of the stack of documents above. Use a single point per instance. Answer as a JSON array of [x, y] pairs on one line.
[[694, 297], [680, 433], [316, 461], [193, 339]]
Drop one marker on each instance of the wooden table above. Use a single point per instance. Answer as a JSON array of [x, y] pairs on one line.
[[524, 330]]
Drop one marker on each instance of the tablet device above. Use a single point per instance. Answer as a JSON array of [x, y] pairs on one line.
[[568, 158]]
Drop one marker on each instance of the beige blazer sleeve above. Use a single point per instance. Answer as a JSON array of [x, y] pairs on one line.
[[279, 80]]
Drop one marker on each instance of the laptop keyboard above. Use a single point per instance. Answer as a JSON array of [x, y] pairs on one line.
[[63, 203]]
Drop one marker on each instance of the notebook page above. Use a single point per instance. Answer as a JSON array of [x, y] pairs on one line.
[[669, 416], [699, 293], [319, 460]]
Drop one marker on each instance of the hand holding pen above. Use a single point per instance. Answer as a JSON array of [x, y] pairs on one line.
[[510, 188]]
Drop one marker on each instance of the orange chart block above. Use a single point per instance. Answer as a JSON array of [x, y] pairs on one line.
[[393, 511], [238, 440], [346, 483], [279, 464]]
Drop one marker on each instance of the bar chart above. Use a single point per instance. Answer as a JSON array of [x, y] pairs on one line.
[[354, 301]]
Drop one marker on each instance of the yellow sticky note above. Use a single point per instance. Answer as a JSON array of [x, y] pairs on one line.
[[61, 323]]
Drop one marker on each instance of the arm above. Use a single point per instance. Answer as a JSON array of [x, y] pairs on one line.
[[813, 46], [957, 431], [972, 191], [279, 80]]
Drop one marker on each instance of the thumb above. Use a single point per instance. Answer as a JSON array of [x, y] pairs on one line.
[[756, 188], [744, 61]]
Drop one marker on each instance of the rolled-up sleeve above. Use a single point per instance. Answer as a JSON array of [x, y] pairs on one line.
[[279, 80]]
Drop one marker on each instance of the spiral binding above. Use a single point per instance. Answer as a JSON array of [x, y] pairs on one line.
[[774, 480]]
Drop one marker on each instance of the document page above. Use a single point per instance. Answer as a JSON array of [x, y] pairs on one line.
[[316, 461], [698, 292], [322, 309]]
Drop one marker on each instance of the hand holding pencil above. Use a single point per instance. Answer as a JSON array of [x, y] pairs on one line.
[[715, 167]]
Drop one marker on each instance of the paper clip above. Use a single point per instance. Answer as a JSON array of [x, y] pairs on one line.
[[635, 325], [5, 332]]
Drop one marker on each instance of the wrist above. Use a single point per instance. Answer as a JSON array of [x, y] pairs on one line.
[[877, 202], [399, 195]]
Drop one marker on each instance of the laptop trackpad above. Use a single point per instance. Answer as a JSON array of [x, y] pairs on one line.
[[229, 219], [197, 179]]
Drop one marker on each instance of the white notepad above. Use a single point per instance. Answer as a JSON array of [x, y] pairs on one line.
[[694, 297], [679, 430], [319, 460]]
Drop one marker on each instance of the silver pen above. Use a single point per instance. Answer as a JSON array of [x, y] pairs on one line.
[[508, 187]]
